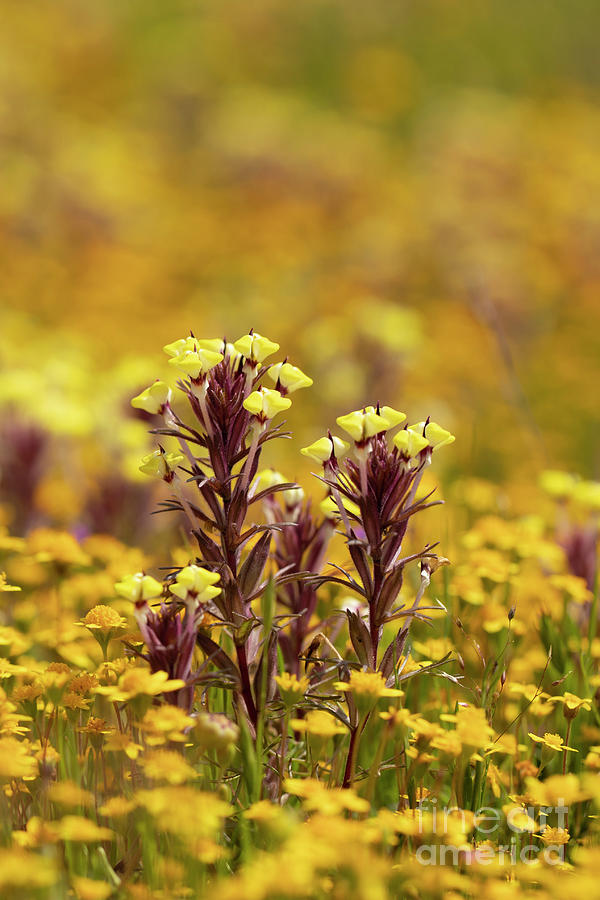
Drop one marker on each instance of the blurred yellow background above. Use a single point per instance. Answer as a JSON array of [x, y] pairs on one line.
[[404, 195]]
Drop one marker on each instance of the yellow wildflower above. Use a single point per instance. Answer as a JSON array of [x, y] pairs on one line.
[[161, 464], [255, 347], [367, 422], [117, 807], [105, 619], [552, 741], [291, 688], [166, 723], [518, 818], [317, 797], [22, 870], [90, 889], [197, 362], [289, 377], [48, 545], [319, 723], [195, 583], [188, 344], [154, 399], [410, 443], [68, 793], [366, 689], [564, 788], [322, 449], [138, 587], [265, 404], [185, 811], [572, 703], [555, 835], [140, 681], [78, 828], [16, 760], [168, 766], [435, 434]]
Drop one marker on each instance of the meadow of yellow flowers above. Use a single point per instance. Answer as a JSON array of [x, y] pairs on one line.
[[299, 450]]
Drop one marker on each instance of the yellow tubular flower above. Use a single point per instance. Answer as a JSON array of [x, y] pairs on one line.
[[265, 403], [435, 434], [255, 347], [138, 587], [154, 399], [290, 377], [183, 345], [189, 344], [393, 416], [322, 449], [160, 464], [194, 582], [364, 423], [196, 362], [410, 443]]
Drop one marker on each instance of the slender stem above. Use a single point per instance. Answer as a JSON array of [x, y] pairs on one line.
[[353, 752], [567, 736], [246, 686], [374, 770]]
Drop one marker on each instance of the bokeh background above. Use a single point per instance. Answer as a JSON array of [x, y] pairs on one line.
[[404, 195]]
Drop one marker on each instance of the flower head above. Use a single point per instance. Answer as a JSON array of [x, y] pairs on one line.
[[366, 689], [291, 688], [552, 741], [103, 618]]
